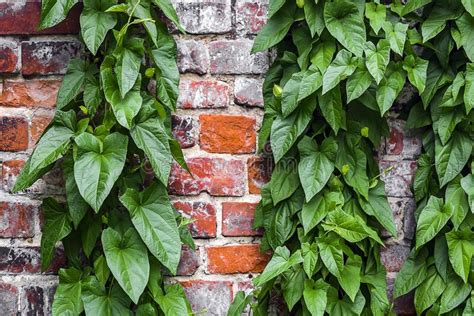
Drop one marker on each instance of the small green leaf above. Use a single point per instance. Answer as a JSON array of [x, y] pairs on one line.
[[358, 83], [127, 66], [281, 261], [429, 291], [331, 254], [350, 276], [342, 67], [416, 68], [412, 273], [455, 294], [95, 22], [332, 109], [72, 83], [377, 59], [460, 249], [99, 301], [67, 298], [315, 296], [376, 13], [452, 158], [432, 219], [54, 11], [396, 35]]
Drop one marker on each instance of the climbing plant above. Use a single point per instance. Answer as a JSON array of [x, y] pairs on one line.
[[111, 137], [340, 66]]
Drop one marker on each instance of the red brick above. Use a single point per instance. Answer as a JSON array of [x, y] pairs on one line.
[[189, 261], [250, 15], [236, 259], [8, 299], [27, 260], [216, 176], [237, 219], [22, 17], [17, 219], [39, 122], [259, 173], [48, 57], [227, 133], [13, 133], [203, 94], [30, 93], [34, 300], [393, 256], [213, 297], [9, 56], [184, 130], [204, 216], [402, 141], [10, 170]]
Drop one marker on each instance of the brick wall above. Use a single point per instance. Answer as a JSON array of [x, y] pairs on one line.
[[219, 112]]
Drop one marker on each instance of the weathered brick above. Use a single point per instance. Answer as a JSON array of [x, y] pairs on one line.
[[9, 56], [227, 133], [204, 17], [259, 172], [248, 91], [34, 299], [30, 93], [403, 305], [409, 222], [48, 57], [193, 57], [184, 130], [399, 178], [216, 176], [8, 299], [13, 133], [401, 208], [17, 219], [236, 259], [189, 261], [27, 260], [22, 17], [212, 297], [250, 16], [393, 256], [402, 142], [237, 219], [203, 94], [204, 216], [39, 122], [234, 57]]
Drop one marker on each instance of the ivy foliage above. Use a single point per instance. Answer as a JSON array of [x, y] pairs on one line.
[[112, 139], [339, 69]]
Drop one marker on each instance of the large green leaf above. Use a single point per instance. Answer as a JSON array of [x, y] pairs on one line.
[[153, 218], [469, 6], [377, 58], [412, 273], [396, 35], [104, 302], [350, 276], [316, 164], [466, 27], [346, 24], [54, 11], [300, 86], [315, 296], [98, 165], [67, 298], [461, 250], [52, 146], [331, 254], [313, 213], [125, 109], [358, 83], [95, 22], [416, 69], [72, 82], [342, 67], [332, 109], [313, 11], [432, 219], [281, 261], [284, 182], [127, 67], [57, 225], [376, 13], [429, 291], [456, 292], [437, 19], [344, 306], [456, 197], [127, 259], [322, 54], [389, 89], [293, 287], [452, 158]]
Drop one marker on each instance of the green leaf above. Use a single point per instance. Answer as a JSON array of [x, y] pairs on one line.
[[455, 294], [452, 158], [358, 83], [315, 296], [99, 301], [276, 28], [127, 67], [53, 145], [281, 261], [67, 298], [300, 86], [432, 219], [429, 291], [437, 19], [72, 83], [101, 270], [396, 35], [423, 174], [376, 13], [346, 24], [435, 79], [457, 199], [440, 255], [77, 206], [465, 24], [125, 109], [467, 183], [167, 8], [310, 257], [313, 213], [98, 165], [322, 54], [285, 131], [293, 286], [153, 218], [412, 273], [54, 11], [377, 58], [57, 225], [331, 254], [174, 302], [342, 67], [27, 176], [313, 12], [416, 69], [316, 164], [469, 6], [344, 306], [350, 276], [284, 182], [461, 250], [418, 117], [150, 136], [127, 260], [143, 11], [95, 22], [239, 304], [469, 88], [389, 89], [90, 230], [332, 109]]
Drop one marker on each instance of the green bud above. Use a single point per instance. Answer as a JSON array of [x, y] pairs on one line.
[[335, 184], [364, 131], [300, 3], [277, 90], [84, 109], [149, 72], [345, 169], [373, 183]]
